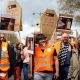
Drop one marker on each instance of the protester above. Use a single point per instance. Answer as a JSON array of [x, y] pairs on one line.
[[25, 55], [79, 57], [64, 51], [18, 66], [45, 60], [79, 50], [4, 58], [74, 64]]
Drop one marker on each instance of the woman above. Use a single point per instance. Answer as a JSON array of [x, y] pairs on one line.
[[18, 67], [25, 55]]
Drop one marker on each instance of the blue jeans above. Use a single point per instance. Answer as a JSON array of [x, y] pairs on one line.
[[63, 73], [43, 76], [25, 71]]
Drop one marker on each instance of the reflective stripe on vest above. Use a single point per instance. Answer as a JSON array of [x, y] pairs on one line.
[[4, 65], [44, 60], [4, 61], [45, 64], [36, 60], [4, 58]]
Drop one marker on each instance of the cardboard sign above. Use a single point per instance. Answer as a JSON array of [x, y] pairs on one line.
[[7, 23], [64, 22], [48, 23], [14, 9]]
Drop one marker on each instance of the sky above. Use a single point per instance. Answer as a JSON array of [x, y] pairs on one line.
[[29, 7]]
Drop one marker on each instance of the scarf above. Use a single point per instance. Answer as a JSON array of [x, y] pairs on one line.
[[64, 50]]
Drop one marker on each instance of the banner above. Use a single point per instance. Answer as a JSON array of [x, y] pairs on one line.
[[14, 9], [64, 22], [7, 24], [48, 22]]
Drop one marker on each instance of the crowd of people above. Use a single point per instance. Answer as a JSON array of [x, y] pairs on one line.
[[60, 61], [14, 59]]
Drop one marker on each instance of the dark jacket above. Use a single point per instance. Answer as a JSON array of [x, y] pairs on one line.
[[12, 59]]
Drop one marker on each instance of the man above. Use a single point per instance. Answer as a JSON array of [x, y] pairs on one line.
[[45, 60], [64, 51], [4, 59]]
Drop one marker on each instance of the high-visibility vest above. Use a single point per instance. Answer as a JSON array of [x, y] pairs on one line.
[[73, 43], [57, 46], [4, 60], [44, 61]]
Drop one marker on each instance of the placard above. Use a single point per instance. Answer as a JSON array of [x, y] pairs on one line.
[[48, 23], [64, 22], [7, 23]]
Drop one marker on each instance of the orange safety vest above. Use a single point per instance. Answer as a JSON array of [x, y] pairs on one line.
[[44, 60], [57, 46], [4, 60]]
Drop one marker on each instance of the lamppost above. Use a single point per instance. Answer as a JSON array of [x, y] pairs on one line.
[[38, 13]]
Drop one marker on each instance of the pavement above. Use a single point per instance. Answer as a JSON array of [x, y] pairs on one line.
[[12, 77], [22, 77]]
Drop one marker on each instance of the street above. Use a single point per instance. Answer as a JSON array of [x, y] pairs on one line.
[[12, 77]]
